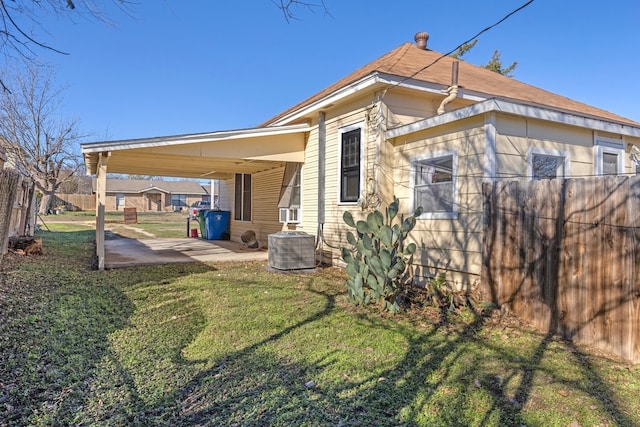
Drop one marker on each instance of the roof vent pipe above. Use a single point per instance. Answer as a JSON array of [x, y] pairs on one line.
[[421, 40], [451, 90]]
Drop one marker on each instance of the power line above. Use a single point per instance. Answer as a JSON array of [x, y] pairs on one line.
[[507, 16]]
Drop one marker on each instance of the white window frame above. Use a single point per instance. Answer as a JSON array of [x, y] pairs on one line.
[[412, 179], [286, 215], [551, 153], [342, 131], [121, 200], [604, 145]]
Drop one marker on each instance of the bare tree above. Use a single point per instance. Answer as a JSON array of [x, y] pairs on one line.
[[21, 31], [288, 7], [42, 144]]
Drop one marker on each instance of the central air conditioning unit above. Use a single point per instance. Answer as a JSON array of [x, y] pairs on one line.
[[291, 250]]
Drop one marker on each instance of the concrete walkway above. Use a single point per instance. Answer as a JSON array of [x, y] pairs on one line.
[[132, 252]]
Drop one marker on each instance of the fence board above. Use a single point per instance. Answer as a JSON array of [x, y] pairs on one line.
[[565, 255], [634, 261]]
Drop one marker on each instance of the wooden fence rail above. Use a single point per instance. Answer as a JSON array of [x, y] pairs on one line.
[[565, 256]]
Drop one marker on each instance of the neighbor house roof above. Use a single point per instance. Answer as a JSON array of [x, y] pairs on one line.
[[409, 62], [143, 185]]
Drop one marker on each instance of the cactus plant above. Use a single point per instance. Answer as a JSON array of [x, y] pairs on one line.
[[378, 263]]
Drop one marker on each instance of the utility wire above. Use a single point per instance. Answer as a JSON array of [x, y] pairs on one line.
[[507, 16]]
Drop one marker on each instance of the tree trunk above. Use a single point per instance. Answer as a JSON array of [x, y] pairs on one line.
[[46, 203]]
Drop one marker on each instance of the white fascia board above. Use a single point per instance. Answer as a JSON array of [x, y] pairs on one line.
[[452, 116], [436, 88], [96, 147], [510, 107], [336, 96], [372, 79]]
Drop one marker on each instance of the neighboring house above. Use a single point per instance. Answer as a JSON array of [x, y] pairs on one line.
[[152, 196], [410, 124]]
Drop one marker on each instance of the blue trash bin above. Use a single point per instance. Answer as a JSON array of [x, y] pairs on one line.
[[217, 224]]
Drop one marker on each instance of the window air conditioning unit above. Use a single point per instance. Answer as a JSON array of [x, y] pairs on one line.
[[291, 250]]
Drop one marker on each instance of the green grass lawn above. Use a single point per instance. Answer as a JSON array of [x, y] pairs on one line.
[[158, 224], [235, 345]]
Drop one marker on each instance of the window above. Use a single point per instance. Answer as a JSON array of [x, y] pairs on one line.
[[179, 201], [350, 162], [547, 167], [242, 211], [119, 200], [289, 202], [608, 156], [547, 164], [433, 179]]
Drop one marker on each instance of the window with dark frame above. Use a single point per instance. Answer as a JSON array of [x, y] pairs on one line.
[[350, 166], [242, 196]]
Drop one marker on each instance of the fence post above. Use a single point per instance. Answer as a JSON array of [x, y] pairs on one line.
[[9, 181]]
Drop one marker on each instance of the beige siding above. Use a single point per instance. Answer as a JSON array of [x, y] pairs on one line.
[[334, 231], [447, 245], [453, 246], [310, 185], [406, 106], [264, 205], [515, 135]]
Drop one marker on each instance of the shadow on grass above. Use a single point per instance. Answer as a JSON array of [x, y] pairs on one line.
[[57, 316], [441, 378], [79, 366]]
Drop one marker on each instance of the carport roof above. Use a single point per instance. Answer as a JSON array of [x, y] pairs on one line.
[[212, 155]]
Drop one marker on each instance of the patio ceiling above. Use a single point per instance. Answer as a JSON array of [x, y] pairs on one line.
[[215, 155]]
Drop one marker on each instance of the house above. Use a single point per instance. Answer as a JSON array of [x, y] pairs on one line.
[[152, 196], [413, 124], [3, 158]]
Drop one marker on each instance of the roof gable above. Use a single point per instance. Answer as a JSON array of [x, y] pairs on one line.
[[409, 61]]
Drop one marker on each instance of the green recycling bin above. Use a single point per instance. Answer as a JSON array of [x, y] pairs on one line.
[[202, 223]]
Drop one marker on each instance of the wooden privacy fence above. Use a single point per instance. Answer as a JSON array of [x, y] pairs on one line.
[[565, 256], [76, 202], [16, 207]]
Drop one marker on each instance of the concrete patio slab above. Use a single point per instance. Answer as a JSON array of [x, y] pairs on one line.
[[132, 252]]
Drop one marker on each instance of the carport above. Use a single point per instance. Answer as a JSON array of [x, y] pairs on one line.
[[214, 155]]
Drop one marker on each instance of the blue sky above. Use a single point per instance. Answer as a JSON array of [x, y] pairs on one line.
[[175, 66]]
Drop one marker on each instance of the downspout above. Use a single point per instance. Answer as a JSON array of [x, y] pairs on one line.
[[322, 148], [451, 90]]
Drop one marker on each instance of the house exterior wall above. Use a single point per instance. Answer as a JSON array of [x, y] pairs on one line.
[[515, 136], [334, 229], [265, 191], [310, 184], [451, 245]]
